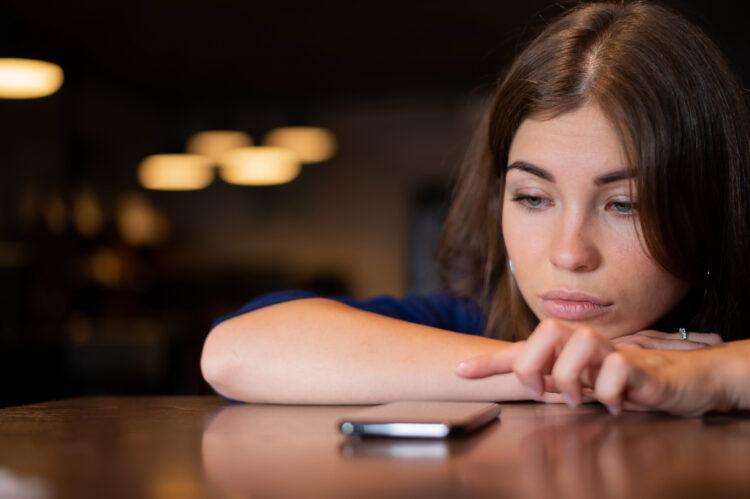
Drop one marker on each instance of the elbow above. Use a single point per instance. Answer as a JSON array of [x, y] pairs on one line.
[[219, 363]]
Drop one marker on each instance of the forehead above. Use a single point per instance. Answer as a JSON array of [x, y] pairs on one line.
[[582, 141]]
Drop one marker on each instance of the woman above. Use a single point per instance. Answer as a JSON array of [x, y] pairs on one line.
[[604, 190]]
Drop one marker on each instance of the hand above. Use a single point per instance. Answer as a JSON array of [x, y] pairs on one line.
[[556, 358], [577, 361], [657, 340]]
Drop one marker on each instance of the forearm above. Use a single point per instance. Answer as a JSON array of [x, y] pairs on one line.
[[317, 351]]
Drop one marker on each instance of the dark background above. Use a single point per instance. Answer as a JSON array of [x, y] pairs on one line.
[[401, 84]]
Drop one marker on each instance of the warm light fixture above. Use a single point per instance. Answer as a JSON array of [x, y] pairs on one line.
[[139, 222], [28, 78], [259, 166], [175, 172], [216, 143], [311, 144], [106, 267], [87, 213], [55, 213]]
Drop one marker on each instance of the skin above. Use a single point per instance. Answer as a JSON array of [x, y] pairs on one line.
[[571, 234], [576, 361], [565, 231]]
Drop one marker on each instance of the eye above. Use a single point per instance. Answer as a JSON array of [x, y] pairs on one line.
[[531, 202], [625, 208]]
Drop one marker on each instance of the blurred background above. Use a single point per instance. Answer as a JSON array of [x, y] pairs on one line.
[[125, 231]]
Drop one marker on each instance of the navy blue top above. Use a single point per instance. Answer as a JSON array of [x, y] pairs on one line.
[[439, 309]]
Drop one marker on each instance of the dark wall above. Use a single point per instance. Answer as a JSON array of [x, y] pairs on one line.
[[401, 86]]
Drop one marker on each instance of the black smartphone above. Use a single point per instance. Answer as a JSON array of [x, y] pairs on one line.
[[419, 419]]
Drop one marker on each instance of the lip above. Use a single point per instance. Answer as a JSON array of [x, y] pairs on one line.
[[574, 305]]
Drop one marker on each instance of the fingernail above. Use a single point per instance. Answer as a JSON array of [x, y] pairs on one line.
[[614, 410], [569, 400], [534, 394], [464, 366]]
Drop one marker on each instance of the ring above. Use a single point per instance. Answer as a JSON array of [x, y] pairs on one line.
[[683, 333]]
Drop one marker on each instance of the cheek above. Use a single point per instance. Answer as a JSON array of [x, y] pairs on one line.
[[646, 291], [524, 236], [657, 286]]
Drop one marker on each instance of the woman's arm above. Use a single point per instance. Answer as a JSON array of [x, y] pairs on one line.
[[319, 351], [732, 360]]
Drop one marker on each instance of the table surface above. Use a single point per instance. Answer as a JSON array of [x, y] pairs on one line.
[[183, 447]]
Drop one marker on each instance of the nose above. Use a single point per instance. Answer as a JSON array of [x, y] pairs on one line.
[[574, 245]]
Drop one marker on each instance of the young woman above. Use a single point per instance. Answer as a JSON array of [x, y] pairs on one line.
[[605, 195]]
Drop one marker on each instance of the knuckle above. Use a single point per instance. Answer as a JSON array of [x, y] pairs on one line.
[[565, 378], [552, 326], [615, 360], [522, 370], [586, 333]]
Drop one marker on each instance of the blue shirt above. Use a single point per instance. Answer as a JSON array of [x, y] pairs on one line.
[[439, 309]]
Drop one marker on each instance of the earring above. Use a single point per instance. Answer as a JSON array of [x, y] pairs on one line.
[[510, 266]]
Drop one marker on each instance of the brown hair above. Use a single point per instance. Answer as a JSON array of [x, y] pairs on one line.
[[681, 114]]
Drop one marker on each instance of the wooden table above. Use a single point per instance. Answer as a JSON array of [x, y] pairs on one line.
[[183, 447]]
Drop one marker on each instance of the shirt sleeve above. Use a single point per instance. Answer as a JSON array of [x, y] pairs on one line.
[[439, 309]]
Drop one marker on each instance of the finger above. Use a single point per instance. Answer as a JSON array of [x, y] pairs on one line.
[[662, 344], [536, 359], [632, 406], [707, 338], [553, 398], [583, 350], [499, 362], [549, 384], [612, 382], [625, 343], [622, 384]]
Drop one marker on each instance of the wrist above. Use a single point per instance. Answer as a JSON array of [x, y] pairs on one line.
[[729, 372]]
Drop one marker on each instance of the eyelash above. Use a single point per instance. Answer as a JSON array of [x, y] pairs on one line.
[[523, 200]]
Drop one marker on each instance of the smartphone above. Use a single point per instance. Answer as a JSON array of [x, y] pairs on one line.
[[418, 419]]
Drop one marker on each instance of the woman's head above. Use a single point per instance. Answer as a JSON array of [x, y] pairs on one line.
[[568, 223], [628, 88]]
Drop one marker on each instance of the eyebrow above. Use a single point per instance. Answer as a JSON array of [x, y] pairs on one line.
[[540, 172]]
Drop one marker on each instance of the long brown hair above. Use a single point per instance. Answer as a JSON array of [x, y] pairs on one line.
[[683, 119]]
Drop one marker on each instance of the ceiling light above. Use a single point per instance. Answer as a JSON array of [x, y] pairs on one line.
[[175, 172], [216, 143], [311, 144], [28, 78], [259, 166]]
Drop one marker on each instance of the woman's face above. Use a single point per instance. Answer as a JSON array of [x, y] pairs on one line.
[[568, 226]]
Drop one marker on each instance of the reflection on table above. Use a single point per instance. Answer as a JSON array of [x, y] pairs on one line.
[[167, 447], [535, 451]]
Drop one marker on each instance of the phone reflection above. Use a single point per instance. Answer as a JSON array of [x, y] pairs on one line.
[[296, 451], [355, 447], [407, 448]]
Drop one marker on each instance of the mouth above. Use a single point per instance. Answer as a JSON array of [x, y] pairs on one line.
[[574, 305]]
